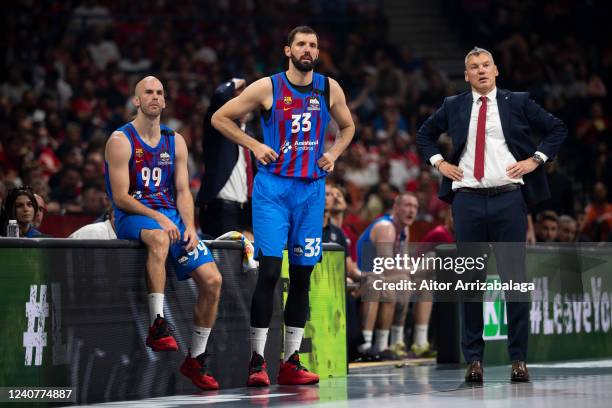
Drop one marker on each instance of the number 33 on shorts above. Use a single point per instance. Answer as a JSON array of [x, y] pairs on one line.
[[313, 247]]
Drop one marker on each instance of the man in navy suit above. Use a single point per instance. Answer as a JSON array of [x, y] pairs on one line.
[[493, 172], [228, 172]]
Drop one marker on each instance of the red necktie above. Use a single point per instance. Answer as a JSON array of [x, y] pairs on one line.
[[249, 171], [480, 140]]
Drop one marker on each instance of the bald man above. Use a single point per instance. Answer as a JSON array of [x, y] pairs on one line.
[[148, 184]]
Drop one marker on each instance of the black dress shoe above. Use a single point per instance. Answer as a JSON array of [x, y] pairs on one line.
[[474, 372], [519, 372]]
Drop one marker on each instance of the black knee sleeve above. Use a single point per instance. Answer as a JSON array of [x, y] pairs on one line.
[[263, 298], [298, 305]]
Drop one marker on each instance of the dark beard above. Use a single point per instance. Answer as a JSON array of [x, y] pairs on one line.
[[301, 66]]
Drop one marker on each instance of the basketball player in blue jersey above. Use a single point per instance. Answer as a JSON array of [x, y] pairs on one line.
[[289, 189], [147, 181], [384, 238]]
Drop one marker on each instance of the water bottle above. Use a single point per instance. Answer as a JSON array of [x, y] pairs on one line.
[[12, 229]]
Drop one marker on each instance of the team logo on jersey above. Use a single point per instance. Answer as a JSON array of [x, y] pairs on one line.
[[286, 147], [298, 250], [139, 153], [288, 100], [183, 260], [164, 158], [313, 104]]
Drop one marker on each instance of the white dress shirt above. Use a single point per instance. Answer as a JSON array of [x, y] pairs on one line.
[[497, 156], [236, 189]]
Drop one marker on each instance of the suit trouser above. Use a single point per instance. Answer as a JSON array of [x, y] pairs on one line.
[[479, 220], [221, 216]]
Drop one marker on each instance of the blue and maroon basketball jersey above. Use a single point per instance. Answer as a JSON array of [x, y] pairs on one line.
[[295, 127], [151, 169]]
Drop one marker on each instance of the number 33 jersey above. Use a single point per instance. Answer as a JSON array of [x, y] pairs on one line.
[[151, 169], [295, 125]]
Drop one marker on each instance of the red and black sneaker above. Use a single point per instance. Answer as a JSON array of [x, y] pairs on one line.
[[258, 376], [196, 370], [293, 373], [160, 336]]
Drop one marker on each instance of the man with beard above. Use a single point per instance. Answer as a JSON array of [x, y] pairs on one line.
[[289, 189], [148, 184]]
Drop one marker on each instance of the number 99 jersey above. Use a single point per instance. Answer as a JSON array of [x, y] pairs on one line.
[[151, 169]]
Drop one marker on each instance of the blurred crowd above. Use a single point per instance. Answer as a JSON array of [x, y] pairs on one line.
[[70, 68]]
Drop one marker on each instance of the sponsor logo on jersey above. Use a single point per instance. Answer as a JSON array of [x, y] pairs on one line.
[[137, 194], [306, 145], [288, 100], [286, 147], [313, 104], [164, 158], [298, 250], [183, 260]]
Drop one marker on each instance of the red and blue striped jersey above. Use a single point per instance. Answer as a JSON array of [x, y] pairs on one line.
[[151, 169], [295, 127]]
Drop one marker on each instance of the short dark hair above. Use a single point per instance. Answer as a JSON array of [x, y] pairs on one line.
[[300, 29], [547, 215]]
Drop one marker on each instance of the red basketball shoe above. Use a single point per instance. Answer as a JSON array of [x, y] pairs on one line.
[[258, 376], [160, 336], [196, 370], [293, 373]]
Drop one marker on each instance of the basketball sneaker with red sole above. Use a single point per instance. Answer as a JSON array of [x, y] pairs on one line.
[[293, 373], [196, 370], [258, 375], [160, 336]]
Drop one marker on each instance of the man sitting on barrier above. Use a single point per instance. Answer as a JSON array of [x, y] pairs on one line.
[[148, 183]]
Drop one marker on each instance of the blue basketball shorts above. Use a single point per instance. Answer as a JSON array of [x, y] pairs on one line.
[[129, 226], [288, 211]]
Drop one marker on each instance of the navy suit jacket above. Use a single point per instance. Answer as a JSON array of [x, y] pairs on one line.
[[519, 115], [220, 153]]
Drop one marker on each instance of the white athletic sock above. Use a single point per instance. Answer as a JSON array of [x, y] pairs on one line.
[[259, 335], [293, 340], [199, 339], [420, 334], [156, 306], [382, 340], [367, 344], [397, 335]]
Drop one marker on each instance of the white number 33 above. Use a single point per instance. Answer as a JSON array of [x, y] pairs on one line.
[[313, 247]]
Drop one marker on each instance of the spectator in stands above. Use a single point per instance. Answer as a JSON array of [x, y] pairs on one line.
[[598, 221], [547, 226], [42, 208], [561, 198], [68, 187], [92, 200], [15, 86], [102, 50], [567, 229], [21, 205], [337, 213], [333, 233], [98, 230]]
